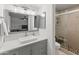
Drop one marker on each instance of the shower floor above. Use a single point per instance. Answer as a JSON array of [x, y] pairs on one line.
[[63, 51]]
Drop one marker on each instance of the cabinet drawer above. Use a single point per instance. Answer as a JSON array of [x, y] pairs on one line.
[[25, 50], [39, 48]]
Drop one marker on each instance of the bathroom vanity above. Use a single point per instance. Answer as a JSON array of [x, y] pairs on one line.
[[23, 30], [19, 44], [35, 47]]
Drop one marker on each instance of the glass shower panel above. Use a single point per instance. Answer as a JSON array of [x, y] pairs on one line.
[[67, 31]]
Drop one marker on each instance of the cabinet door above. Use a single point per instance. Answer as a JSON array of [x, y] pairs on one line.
[[43, 46], [25, 50], [36, 50], [14, 52], [39, 48]]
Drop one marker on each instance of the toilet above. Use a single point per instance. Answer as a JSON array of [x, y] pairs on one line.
[[57, 47]]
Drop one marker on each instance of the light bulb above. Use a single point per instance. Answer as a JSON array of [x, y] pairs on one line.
[[33, 13], [28, 12], [15, 10], [43, 15]]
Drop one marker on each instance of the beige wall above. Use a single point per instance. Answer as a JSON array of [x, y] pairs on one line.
[[68, 27], [73, 30]]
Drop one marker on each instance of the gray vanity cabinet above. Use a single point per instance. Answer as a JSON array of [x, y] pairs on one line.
[[38, 48], [25, 50], [13, 52]]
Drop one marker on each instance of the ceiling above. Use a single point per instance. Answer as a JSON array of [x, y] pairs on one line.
[[39, 6], [64, 6], [32, 6]]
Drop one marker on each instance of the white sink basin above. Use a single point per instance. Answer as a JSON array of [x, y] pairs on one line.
[[27, 39]]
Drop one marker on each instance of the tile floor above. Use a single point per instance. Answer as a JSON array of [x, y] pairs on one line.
[[63, 51]]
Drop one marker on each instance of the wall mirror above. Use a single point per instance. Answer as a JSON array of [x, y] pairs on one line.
[[41, 21], [17, 22]]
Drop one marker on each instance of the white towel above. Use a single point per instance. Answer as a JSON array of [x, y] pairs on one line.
[[4, 26]]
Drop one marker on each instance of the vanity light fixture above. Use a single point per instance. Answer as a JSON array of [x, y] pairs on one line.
[[28, 12], [22, 9], [43, 15], [33, 13], [15, 10]]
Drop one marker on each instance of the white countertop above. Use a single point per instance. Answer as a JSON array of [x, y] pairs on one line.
[[9, 45]]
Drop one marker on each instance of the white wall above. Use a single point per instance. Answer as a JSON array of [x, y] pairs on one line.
[[49, 32]]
